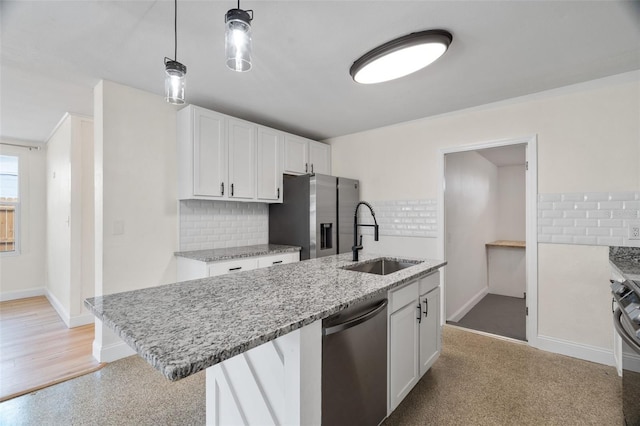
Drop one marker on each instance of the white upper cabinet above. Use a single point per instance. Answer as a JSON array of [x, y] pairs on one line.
[[303, 156], [242, 158], [225, 158], [202, 153], [320, 157], [296, 155], [269, 179]]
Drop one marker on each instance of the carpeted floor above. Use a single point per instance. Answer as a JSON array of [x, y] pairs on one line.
[[495, 314], [477, 380]]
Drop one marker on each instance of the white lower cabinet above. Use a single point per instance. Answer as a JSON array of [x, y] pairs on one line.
[[191, 269], [430, 330], [403, 353], [232, 266], [414, 334]]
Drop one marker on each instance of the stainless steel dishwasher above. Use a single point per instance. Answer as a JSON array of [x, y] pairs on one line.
[[354, 365]]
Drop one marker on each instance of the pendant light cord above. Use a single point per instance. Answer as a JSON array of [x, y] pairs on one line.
[[175, 30]]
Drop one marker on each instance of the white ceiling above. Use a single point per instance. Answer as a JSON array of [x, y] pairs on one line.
[[54, 52]]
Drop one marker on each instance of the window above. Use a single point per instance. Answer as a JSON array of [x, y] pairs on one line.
[[9, 203]]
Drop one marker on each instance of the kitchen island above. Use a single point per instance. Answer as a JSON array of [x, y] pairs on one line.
[[187, 327]]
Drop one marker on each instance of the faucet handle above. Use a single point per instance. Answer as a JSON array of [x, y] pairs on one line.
[[360, 240]]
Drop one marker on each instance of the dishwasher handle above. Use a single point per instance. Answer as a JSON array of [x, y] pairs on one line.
[[630, 341], [355, 321]]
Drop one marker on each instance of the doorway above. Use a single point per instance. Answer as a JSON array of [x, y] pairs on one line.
[[489, 237]]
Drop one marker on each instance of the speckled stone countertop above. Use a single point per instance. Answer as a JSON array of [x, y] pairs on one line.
[[215, 255], [627, 261], [183, 328]]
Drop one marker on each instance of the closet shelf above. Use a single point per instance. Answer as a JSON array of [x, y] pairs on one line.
[[507, 243]]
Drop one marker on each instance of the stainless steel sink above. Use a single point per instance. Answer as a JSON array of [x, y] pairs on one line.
[[380, 266]]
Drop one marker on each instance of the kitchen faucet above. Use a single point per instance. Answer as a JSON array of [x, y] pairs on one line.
[[356, 247]]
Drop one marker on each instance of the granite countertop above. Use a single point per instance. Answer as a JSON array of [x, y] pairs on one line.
[[627, 261], [214, 255], [183, 328]]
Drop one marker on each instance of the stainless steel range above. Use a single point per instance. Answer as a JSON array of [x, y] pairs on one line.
[[626, 319]]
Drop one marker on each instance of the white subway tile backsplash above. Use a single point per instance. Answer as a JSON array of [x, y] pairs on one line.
[[584, 240], [598, 214], [596, 196], [410, 218], [586, 205], [575, 214], [610, 241], [562, 239], [572, 197], [594, 218], [621, 196], [610, 205], [219, 224], [549, 197]]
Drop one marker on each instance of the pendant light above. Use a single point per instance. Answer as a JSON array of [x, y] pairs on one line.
[[238, 39], [175, 72], [400, 57]]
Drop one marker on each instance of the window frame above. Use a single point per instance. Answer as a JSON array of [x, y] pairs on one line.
[[17, 215]]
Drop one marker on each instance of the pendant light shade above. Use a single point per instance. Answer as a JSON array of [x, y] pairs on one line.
[[401, 57], [175, 76], [175, 72], [238, 39]]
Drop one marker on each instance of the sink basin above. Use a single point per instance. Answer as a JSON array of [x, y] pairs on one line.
[[381, 266]]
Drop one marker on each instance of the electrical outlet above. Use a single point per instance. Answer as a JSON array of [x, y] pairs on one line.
[[634, 231]]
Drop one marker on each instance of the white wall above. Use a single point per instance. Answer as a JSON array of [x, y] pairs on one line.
[[511, 215], [136, 196], [70, 218], [59, 218], [471, 200], [588, 140], [23, 275]]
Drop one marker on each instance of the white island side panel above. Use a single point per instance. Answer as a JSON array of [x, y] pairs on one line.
[[276, 383]]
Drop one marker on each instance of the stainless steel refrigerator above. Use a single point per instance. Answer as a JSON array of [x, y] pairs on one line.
[[316, 214]]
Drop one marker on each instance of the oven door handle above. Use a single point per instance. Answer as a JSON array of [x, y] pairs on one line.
[[623, 333]]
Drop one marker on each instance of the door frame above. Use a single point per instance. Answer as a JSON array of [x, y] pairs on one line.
[[531, 197]]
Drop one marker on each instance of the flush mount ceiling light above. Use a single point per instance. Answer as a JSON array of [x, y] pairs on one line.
[[400, 57], [175, 72], [238, 38]]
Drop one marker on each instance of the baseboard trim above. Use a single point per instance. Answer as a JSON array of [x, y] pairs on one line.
[[69, 321], [575, 350], [22, 294], [464, 310], [110, 353], [62, 312], [82, 319]]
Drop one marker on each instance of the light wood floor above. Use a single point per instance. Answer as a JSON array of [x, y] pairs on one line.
[[38, 350]]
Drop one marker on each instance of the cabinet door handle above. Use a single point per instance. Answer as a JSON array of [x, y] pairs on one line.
[[426, 308], [235, 269], [278, 193], [419, 313], [306, 167], [232, 190], [311, 167], [276, 262], [222, 188]]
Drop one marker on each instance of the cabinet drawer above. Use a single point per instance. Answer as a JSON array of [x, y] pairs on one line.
[[277, 259], [403, 296], [239, 265], [429, 282]]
